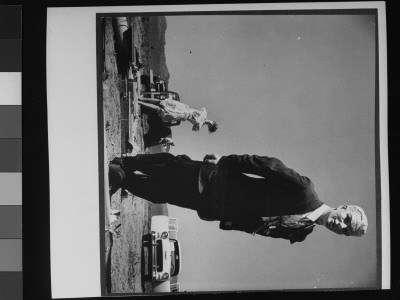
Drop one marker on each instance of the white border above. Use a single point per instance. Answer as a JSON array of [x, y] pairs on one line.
[[383, 144], [73, 138]]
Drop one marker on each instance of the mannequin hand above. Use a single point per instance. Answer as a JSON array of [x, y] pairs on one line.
[[212, 158]]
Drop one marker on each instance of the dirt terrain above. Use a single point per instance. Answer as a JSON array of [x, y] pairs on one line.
[[124, 273]]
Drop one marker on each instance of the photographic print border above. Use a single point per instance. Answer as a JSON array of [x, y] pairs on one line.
[[382, 121], [378, 121]]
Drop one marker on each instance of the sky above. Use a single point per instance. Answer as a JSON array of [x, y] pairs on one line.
[[297, 87]]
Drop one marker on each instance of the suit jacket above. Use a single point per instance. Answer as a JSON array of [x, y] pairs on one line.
[[240, 201]]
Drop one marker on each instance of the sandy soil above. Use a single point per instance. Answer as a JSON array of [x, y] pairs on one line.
[[133, 221]]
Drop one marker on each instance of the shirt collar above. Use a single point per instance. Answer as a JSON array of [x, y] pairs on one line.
[[314, 215]]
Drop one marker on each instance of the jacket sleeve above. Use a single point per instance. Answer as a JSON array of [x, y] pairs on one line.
[[264, 166], [292, 234]]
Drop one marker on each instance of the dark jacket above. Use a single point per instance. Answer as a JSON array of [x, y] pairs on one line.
[[240, 201]]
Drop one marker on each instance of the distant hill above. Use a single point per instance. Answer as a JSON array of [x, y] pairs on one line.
[[157, 28]]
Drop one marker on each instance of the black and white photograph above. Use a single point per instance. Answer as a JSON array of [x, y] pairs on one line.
[[221, 148]]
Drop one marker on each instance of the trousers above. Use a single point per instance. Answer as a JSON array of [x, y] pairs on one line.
[[166, 178]]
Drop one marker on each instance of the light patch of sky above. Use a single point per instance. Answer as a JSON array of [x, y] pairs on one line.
[[300, 88]]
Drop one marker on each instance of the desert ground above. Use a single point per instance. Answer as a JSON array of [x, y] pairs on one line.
[[124, 261]]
